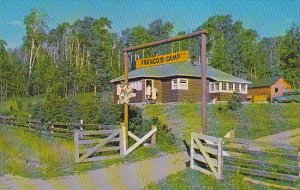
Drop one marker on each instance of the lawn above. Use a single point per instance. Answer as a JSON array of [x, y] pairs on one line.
[[29, 154], [251, 121]]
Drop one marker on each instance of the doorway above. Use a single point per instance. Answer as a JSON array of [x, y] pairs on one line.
[[148, 88]]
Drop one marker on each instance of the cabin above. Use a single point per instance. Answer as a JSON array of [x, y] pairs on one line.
[[268, 88], [179, 82]]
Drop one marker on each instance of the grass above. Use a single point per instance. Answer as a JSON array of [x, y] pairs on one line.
[[191, 179], [18, 107], [29, 154], [251, 121]]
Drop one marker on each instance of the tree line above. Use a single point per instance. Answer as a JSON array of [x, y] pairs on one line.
[[85, 55]]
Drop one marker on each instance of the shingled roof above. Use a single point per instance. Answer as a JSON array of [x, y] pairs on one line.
[[181, 69], [263, 82]]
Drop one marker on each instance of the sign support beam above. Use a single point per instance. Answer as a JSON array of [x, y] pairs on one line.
[[126, 104], [203, 84], [201, 33]]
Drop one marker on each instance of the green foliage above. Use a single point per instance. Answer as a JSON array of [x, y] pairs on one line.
[[235, 102]]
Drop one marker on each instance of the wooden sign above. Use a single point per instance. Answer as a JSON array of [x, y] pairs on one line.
[[163, 59]]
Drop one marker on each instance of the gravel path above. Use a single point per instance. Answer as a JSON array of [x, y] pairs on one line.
[[125, 176], [287, 137]]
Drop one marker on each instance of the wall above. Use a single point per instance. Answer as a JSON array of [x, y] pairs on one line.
[[168, 95], [282, 86], [260, 91]]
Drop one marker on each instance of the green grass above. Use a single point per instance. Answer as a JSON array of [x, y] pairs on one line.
[[18, 107], [192, 179], [29, 154], [251, 121]]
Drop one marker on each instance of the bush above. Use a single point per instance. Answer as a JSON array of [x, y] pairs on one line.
[[236, 101]]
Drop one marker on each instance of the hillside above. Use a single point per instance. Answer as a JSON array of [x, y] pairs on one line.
[[251, 121]]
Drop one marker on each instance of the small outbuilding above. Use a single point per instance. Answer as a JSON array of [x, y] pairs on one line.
[[268, 88], [179, 82]]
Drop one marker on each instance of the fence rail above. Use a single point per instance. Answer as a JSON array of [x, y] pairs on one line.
[[97, 145], [271, 160], [275, 161], [55, 129]]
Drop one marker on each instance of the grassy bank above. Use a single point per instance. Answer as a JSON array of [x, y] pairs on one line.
[[251, 121], [29, 154]]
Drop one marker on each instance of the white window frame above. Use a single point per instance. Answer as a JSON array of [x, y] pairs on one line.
[[227, 90], [178, 85], [137, 85], [174, 85], [118, 89]]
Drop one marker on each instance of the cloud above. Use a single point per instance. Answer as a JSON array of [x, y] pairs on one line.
[[16, 23]]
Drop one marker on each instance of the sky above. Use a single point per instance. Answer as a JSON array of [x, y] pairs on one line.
[[268, 17]]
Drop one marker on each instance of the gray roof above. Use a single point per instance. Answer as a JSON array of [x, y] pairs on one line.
[[181, 69]]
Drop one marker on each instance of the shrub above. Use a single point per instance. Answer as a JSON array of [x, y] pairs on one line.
[[235, 102]]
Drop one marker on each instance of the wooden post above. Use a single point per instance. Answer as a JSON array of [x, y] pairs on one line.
[[122, 140], [299, 161], [76, 146], [192, 152], [125, 104], [81, 125], [230, 134], [203, 83], [220, 158], [153, 138]]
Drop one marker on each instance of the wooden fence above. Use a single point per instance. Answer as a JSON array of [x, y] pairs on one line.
[[107, 143], [204, 158], [97, 145], [263, 159], [57, 128], [271, 160]]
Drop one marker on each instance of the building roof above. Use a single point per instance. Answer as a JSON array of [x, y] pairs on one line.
[[181, 69], [263, 82]]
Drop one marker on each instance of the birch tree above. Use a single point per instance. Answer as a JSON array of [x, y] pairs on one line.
[[35, 36]]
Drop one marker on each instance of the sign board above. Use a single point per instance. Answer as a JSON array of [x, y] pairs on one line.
[[126, 94], [163, 59]]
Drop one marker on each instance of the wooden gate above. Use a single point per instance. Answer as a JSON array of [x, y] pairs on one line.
[[206, 154], [97, 145], [106, 144], [138, 140]]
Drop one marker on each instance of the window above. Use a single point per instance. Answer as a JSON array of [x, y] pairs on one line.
[[180, 84], [230, 86], [212, 87], [217, 86], [137, 85], [276, 90], [174, 84], [237, 87], [227, 87], [118, 89], [224, 86], [243, 88]]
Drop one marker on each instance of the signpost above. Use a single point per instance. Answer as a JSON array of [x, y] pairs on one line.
[[154, 61], [163, 59]]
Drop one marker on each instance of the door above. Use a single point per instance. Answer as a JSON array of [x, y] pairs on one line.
[[148, 88]]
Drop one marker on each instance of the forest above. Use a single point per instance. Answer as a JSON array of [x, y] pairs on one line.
[[83, 56]]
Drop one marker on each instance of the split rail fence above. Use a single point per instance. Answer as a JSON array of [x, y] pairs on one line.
[[275, 161], [57, 128]]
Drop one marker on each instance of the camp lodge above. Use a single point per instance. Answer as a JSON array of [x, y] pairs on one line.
[[179, 82]]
